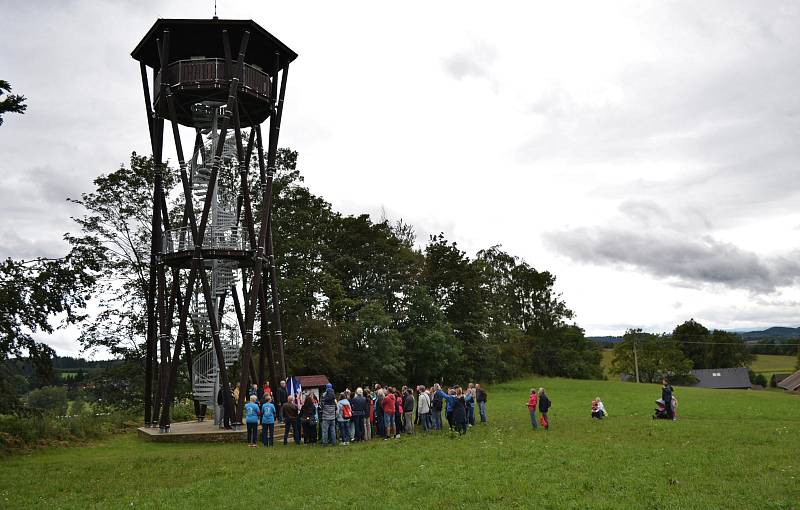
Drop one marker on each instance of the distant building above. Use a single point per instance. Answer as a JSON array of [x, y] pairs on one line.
[[791, 383], [722, 378]]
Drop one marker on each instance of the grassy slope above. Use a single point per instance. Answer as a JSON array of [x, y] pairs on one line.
[[730, 449]]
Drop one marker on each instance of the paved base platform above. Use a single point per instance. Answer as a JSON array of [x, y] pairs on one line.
[[200, 432], [195, 432]]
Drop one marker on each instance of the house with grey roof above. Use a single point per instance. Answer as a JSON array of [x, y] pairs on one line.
[[722, 378]]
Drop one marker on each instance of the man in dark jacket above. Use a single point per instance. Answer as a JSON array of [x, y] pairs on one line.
[[480, 397], [226, 420], [281, 396], [408, 411], [436, 408], [358, 405], [666, 396], [289, 411]]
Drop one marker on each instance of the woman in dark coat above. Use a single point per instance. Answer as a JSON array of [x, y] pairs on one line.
[[460, 412], [308, 417]]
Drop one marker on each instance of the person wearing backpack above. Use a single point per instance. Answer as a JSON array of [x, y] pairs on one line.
[[437, 402], [268, 414], [343, 416]]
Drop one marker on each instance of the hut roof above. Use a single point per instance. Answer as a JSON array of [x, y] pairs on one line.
[[312, 381], [722, 378], [791, 383], [203, 37]]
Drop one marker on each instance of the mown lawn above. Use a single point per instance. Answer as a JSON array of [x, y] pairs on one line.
[[729, 449], [773, 363]]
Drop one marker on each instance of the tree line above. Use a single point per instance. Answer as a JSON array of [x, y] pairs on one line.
[[690, 346], [361, 299]]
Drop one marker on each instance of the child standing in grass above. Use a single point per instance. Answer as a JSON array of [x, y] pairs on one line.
[[251, 418], [268, 421], [533, 401]]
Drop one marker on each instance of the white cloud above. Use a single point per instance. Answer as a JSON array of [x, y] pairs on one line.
[[493, 123]]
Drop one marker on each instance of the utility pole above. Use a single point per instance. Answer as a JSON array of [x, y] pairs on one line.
[[635, 357]]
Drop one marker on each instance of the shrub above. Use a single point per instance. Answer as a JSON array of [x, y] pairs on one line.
[[18, 431], [50, 399]]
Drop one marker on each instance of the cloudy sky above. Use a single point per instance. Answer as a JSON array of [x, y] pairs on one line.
[[646, 153]]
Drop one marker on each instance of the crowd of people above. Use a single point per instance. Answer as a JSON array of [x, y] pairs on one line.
[[388, 412], [385, 412]]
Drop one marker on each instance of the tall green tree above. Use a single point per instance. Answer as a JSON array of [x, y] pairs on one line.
[[566, 352], [455, 282], [431, 348], [658, 356], [706, 349], [33, 294], [117, 219], [692, 338]]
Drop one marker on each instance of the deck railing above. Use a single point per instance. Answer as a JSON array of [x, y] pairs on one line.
[[180, 239], [203, 72]]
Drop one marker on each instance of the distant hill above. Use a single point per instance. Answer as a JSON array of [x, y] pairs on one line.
[[773, 333], [777, 333], [605, 340]]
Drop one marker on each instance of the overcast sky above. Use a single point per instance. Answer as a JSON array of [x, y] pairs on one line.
[[646, 153]]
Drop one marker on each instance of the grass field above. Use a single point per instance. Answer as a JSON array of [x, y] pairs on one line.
[[771, 363], [729, 449]]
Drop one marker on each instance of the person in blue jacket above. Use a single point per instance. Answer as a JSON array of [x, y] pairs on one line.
[[268, 414], [469, 401], [450, 402], [251, 411]]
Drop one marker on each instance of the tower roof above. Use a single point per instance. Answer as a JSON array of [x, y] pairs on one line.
[[203, 37]]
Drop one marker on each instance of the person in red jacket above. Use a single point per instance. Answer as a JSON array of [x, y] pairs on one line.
[[388, 406], [532, 402]]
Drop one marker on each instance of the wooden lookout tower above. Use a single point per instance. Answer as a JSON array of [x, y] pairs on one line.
[[216, 247]]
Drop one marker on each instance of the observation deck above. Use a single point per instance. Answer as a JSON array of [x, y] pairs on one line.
[[177, 248], [201, 79], [196, 68]]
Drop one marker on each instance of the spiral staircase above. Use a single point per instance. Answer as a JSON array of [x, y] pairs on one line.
[[223, 232]]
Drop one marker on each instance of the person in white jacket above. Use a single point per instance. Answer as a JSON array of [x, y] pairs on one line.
[[424, 408]]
